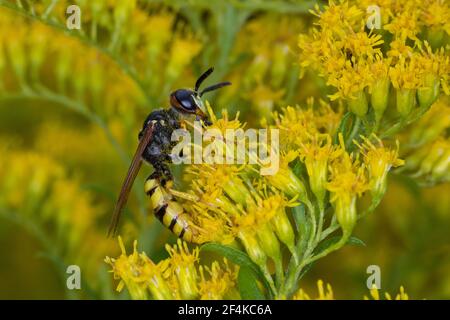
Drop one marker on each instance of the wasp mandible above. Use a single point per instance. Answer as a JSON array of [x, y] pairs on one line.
[[155, 146]]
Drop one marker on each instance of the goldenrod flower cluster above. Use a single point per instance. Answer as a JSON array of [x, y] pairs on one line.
[[389, 65], [180, 276], [318, 184]]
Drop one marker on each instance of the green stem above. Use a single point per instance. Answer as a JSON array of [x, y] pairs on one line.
[[393, 129], [312, 216], [320, 227], [293, 277]]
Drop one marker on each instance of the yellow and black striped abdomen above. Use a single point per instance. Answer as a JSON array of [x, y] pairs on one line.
[[168, 211]]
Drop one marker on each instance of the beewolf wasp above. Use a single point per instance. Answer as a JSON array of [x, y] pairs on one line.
[[155, 147]]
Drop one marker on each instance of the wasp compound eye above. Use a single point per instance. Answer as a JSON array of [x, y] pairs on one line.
[[185, 100]]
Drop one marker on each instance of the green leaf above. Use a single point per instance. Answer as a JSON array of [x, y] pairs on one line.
[[303, 225], [305, 270], [344, 127], [356, 242], [238, 257], [248, 285], [331, 241], [300, 218]]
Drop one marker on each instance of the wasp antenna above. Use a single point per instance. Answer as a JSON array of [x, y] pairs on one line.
[[215, 87], [202, 78]]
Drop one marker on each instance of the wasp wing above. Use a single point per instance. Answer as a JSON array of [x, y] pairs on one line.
[[129, 180]]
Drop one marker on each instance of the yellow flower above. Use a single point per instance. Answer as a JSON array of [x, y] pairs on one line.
[[350, 82], [178, 277], [405, 77], [218, 282], [434, 68], [182, 265], [294, 125], [347, 182], [404, 25], [316, 154], [323, 293], [374, 294], [139, 274], [398, 48], [379, 86], [379, 160], [338, 19], [286, 180]]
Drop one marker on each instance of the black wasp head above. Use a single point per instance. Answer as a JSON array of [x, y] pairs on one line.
[[189, 101]]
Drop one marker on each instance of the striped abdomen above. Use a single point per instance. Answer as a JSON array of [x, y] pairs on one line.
[[168, 211]]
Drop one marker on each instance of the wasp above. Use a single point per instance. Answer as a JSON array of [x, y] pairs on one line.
[[155, 146]]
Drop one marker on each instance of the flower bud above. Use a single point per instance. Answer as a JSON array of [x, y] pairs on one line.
[[269, 242], [428, 94], [137, 291], [358, 104], [159, 288], [236, 190], [345, 209], [283, 229], [318, 179], [405, 101], [187, 281], [380, 97], [253, 248], [286, 181]]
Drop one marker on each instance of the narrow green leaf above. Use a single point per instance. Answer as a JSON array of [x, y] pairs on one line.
[[248, 285], [329, 242], [344, 126], [356, 242], [305, 270], [300, 218], [303, 225]]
